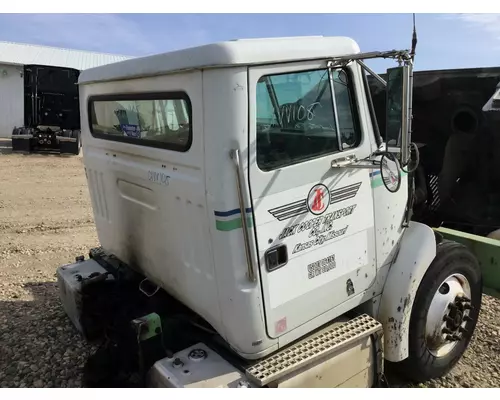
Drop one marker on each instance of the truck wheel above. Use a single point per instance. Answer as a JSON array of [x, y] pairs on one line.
[[444, 313], [78, 145], [21, 145], [71, 147]]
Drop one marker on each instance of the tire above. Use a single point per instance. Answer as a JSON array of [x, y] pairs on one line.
[[71, 147], [20, 145], [423, 362], [78, 145]]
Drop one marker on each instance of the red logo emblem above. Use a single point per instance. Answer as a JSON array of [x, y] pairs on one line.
[[318, 199], [317, 205]]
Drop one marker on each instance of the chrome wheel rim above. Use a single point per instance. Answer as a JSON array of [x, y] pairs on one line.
[[448, 316]]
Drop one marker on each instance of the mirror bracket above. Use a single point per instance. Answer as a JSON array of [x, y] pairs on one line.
[[407, 115], [404, 73], [352, 163]]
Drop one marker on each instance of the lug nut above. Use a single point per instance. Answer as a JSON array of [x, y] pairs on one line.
[[446, 330], [462, 330], [455, 338]]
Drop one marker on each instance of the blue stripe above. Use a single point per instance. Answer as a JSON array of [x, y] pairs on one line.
[[372, 174], [230, 212]]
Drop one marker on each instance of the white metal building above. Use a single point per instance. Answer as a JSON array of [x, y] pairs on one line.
[[13, 56]]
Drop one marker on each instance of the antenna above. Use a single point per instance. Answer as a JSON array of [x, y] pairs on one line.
[[414, 39]]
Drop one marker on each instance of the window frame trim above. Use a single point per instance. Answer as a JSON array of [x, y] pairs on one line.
[[351, 87], [135, 96]]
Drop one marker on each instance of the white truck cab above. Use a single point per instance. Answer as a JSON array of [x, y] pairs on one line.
[[248, 180]]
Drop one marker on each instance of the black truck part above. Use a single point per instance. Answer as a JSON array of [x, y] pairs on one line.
[[457, 183], [51, 111], [103, 298]]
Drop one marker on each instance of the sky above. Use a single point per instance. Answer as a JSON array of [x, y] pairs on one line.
[[444, 40]]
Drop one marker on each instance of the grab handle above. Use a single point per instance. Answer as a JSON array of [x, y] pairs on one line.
[[235, 155]]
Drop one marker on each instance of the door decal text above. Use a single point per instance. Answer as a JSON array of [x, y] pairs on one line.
[[319, 240], [318, 225], [320, 267]]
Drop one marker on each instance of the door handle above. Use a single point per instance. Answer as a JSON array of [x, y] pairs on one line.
[[344, 161], [276, 257]]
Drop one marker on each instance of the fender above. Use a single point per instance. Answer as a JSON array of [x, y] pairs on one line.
[[417, 250]]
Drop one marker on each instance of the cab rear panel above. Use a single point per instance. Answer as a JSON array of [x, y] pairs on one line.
[[149, 196]]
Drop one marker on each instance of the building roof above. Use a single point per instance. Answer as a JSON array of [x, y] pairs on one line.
[[25, 54], [225, 54]]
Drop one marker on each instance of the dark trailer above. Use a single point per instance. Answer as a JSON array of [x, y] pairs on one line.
[[457, 183], [51, 111]]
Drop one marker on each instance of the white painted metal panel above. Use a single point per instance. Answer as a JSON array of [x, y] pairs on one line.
[[159, 226], [229, 53], [11, 99]]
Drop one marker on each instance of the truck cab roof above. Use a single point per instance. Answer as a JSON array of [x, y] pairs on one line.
[[224, 54]]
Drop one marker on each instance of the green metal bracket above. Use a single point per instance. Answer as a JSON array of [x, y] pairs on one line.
[[148, 325], [486, 250]]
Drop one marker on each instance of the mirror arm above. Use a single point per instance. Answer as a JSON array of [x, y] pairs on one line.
[[342, 63], [405, 121], [334, 104], [352, 162], [403, 55], [364, 166], [372, 72], [373, 114]]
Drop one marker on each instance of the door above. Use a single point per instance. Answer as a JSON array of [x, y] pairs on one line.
[[314, 224]]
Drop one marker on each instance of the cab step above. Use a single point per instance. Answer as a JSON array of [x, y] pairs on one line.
[[308, 351]]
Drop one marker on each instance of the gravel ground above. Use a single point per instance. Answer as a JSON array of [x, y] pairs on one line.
[[45, 221]]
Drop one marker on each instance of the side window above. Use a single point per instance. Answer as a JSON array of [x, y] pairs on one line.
[[296, 119], [346, 110], [148, 119]]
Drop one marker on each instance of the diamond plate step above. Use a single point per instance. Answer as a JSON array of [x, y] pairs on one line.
[[304, 352]]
